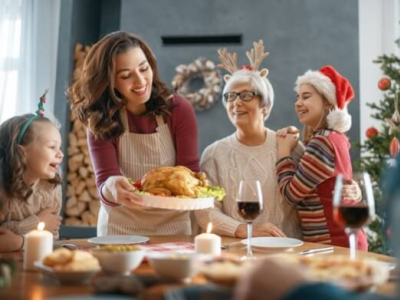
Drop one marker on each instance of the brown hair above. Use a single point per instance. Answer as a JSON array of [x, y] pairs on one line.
[[93, 96], [12, 161], [308, 132]]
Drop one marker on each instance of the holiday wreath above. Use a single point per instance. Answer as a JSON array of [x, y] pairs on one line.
[[200, 82]]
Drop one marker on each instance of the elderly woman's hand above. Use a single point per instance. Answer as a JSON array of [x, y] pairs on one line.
[[283, 278], [264, 229], [267, 229], [117, 189]]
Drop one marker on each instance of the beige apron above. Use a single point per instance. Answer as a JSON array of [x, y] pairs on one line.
[[137, 154]]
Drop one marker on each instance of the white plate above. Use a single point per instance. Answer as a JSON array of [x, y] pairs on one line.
[[65, 277], [273, 242], [174, 203], [390, 266], [118, 239]]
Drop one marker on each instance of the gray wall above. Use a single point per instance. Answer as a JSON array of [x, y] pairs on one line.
[[299, 35]]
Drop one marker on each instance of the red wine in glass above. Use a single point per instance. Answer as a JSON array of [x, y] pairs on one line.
[[352, 216], [249, 201], [249, 210], [355, 212]]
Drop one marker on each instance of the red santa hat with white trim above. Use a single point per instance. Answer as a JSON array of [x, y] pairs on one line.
[[336, 89]]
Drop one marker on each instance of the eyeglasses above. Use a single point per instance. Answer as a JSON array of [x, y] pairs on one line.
[[244, 96]]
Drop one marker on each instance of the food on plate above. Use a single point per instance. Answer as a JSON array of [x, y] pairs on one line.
[[355, 275], [177, 181], [224, 270], [63, 259], [118, 248]]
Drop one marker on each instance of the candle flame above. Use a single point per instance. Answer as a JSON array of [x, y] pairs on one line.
[[40, 226], [209, 227]]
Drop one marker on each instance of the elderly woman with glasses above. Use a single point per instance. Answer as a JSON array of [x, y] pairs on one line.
[[249, 153]]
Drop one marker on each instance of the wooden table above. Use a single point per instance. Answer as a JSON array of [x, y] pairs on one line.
[[30, 285]]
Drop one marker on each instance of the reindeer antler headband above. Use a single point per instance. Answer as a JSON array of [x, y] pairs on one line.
[[256, 55]]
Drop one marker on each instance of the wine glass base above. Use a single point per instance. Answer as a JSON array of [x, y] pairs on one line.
[[248, 258]]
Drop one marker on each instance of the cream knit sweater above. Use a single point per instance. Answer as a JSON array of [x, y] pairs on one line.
[[21, 216], [226, 162]]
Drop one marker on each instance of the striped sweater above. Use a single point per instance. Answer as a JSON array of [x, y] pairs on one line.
[[310, 187]]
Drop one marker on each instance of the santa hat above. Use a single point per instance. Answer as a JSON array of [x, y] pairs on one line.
[[336, 89]]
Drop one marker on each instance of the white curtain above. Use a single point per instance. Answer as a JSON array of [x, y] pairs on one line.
[[28, 54]]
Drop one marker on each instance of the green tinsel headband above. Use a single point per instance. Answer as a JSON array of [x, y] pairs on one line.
[[39, 114]]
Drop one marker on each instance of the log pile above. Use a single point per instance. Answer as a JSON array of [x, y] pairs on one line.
[[82, 204]]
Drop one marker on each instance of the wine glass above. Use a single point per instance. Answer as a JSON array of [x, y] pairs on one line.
[[353, 213], [249, 205]]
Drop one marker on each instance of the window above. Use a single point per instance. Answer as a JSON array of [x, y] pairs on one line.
[[10, 37]]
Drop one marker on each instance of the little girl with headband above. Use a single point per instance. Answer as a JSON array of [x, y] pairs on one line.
[[30, 154]]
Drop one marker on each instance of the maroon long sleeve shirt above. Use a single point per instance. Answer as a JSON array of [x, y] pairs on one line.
[[183, 127]]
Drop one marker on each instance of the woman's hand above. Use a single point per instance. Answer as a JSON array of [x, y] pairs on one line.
[[265, 229], [283, 278], [286, 140], [117, 189], [51, 219], [285, 145], [351, 191], [288, 130]]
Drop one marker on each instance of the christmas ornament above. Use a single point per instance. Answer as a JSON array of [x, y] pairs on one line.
[[394, 147], [384, 84], [394, 121], [371, 132]]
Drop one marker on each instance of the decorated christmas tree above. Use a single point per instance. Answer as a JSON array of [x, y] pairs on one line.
[[382, 145]]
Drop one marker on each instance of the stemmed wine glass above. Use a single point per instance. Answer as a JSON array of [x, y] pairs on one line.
[[353, 213], [249, 205]]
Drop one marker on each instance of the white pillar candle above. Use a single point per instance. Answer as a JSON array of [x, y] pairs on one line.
[[38, 244], [208, 243]]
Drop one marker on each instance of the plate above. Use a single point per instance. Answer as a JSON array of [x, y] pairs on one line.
[[175, 203], [65, 277], [273, 242], [390, 266], [118, 240], [224, 271]]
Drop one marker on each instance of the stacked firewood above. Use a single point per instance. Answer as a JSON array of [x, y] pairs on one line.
[[82, 204]]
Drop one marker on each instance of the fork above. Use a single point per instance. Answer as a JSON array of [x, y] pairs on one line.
[[224, 247], [317, 250]]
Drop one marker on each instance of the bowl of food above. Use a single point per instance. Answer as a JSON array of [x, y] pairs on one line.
[[173, 266], [119, 259], [69, 267]]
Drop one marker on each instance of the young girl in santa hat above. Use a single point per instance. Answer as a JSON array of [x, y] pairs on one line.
[[321, 106]]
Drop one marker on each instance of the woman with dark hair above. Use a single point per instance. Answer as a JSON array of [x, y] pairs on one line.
[[135, 124]]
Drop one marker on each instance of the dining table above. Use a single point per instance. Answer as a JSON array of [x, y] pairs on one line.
[[32, 285]]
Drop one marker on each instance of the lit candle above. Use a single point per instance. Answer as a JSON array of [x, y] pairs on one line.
[[208, 243], [38, 244]]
